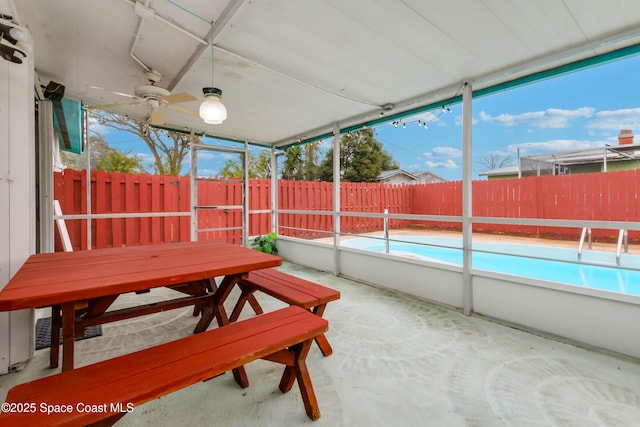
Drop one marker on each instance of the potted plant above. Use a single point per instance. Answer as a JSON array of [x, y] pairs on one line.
[[266, 243]]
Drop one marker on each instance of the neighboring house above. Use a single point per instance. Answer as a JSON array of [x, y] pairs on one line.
[[399, 176], [624, 156], [428, 177], [505, 172]]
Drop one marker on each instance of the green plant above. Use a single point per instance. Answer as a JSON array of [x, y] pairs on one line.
[[266, 243]]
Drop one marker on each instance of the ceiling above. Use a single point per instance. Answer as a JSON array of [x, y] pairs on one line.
[[290, 70]]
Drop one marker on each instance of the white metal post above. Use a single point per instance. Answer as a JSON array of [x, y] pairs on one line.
[[245, 195], [45, 176], [85, 137], [467, 288], [336, 199], [274, 191], [193, 193]]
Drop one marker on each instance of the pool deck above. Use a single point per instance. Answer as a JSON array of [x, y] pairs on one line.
[[397, 361], [634, 248]]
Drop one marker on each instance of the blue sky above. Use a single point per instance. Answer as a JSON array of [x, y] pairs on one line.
[[584, 109]]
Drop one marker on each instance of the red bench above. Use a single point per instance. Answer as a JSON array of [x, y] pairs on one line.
[[282, 336], [289, 289]]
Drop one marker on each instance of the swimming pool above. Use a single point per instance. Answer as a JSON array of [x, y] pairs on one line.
[[595, 270]]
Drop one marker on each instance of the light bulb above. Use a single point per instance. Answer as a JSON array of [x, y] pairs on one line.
[[212, 110]]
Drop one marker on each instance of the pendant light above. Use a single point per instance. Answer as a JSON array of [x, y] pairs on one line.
[[212, 110]]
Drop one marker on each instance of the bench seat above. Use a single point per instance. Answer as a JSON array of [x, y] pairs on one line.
[[282, 336], [290, 289]]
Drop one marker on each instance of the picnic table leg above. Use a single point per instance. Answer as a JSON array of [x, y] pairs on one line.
[[321, 340], [246, 296], [68, 334], [54, 334], [219, 297], [301, 373]]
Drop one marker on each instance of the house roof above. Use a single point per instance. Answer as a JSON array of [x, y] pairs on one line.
[[293, 70], [507, 170], [438, 177], [574, 157], [394, 172], [590, 155]]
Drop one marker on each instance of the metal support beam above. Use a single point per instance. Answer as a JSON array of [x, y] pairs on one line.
[[193, 185], [45, 177], [467, 288], [274, 191], [245, 196], [216, 29], [336, 198], [87, 144]]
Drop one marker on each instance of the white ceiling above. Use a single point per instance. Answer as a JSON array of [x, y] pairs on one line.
[[291, 69]]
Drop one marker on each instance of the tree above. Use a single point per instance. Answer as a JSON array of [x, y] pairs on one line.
[[495, 160], [388, 162], [167, 148], [362, 158], [311, 169], [293, 163], [103, 157], [117, 161], [259, 166]]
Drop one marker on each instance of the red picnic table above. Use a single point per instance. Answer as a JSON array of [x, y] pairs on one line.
[[81, 286]]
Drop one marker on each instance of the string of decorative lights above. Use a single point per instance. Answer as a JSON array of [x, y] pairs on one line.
[[421, 122]]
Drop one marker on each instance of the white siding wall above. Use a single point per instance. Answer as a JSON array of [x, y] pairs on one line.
[[17, 198]]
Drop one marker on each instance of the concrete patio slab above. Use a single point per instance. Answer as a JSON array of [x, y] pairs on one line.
[[397, 361]]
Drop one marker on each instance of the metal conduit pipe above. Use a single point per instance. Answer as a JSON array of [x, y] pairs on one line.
[[136, 37], [145, 12]]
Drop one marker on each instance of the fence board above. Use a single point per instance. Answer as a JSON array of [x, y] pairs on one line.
[[608, 196]]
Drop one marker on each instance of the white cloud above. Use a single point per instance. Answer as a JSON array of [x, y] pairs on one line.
[[449, 164], [474, 121], [554, 145], [628, 118], [207, 155], [550, 118], [94, 126], [208, 173], [146, 158], [447, 152], [441, 157]]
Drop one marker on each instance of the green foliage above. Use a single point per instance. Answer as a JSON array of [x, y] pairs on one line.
[[266, 243], [103, 157], [231, 169], [362, 158], [259, 167], [167, 148], [292, 167], [117, 161]]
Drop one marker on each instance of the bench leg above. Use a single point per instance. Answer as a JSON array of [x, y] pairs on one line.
[[321, 340], [323, 345], [301, 373]]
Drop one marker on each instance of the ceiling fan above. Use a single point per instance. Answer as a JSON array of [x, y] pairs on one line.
[[155, 97]]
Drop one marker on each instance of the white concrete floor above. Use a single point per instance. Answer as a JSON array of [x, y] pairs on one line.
[[397, 361]]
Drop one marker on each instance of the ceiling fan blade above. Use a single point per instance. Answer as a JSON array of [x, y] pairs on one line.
[[185, 111], [127, 95], [178, 97], [157, 117], [108, 106]]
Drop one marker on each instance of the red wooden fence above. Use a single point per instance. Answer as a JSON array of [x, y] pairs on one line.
[[608, 196]]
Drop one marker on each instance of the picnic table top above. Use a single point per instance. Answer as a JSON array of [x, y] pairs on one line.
[[55, 278]]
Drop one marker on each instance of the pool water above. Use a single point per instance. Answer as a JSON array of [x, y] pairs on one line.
[[516, 260]]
